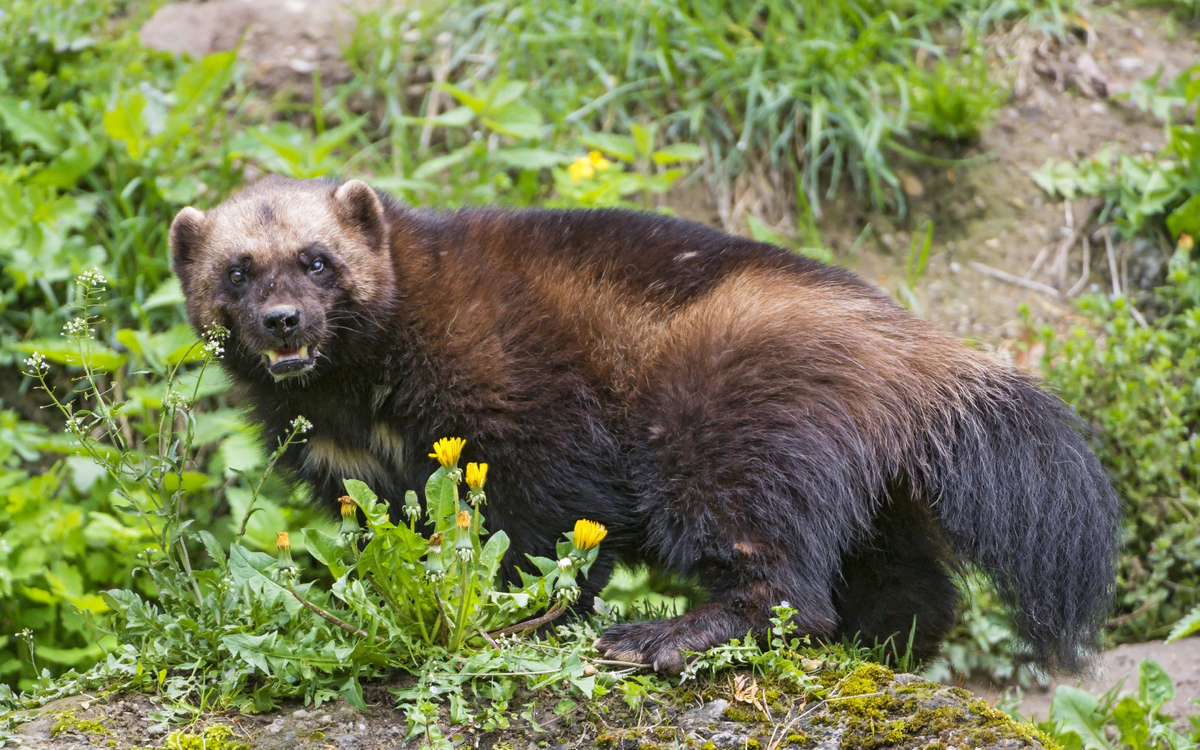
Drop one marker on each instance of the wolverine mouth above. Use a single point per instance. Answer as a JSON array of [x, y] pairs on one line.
[[289, 361]]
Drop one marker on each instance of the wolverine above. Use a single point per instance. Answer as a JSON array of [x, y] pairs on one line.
[[771, 425]]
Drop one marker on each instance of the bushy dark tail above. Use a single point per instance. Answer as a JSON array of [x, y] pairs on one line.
[[1020, 494]]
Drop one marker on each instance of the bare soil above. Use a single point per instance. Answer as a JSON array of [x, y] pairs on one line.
[[1067, 102]]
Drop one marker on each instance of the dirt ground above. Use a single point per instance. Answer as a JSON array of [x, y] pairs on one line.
[[988, 215]]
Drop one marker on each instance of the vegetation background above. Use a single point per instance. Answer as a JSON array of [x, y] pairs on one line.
[[880, 134]]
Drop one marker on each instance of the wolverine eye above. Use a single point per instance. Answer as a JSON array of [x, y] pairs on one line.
[[237, 276], [316, 266]]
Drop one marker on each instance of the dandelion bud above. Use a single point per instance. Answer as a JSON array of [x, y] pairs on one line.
[[463, 520], [466, 554], [412, 509], [349, 515], [283, 547], [435, 543]]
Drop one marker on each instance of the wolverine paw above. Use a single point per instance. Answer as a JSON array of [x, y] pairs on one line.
[[652, 643]]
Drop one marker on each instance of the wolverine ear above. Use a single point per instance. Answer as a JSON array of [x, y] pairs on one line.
[[359, 207], [185, 238]]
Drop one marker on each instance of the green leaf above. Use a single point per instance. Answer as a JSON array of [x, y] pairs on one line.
[[517, 121], [1077, 711], [246, 569], [64, 170], [678, 152], [1154, 684], [529, 158], [202, 83], [1186, 218], [366, 499], [1130, 718], [126, 123], [643, 138], [491, 556], [189, 481], [215, 550], [326, 142], [477, 104], [30, 125], [64, 352], [441, 500], [441, 163], [326, 549], [616, 146], [1185, 627]]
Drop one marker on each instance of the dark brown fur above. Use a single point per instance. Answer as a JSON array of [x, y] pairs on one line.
[[726, 408]]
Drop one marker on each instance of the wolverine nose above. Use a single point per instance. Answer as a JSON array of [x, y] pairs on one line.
[[282, 321]]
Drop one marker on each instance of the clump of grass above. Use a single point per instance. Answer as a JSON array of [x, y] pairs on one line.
[[821, 91]]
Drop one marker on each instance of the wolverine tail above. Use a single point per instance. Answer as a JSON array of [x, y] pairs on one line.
[[1019, 493]]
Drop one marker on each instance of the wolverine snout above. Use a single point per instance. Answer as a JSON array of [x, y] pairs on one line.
[[281, 322]]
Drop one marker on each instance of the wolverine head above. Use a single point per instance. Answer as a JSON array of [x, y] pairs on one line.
[[288, 266]]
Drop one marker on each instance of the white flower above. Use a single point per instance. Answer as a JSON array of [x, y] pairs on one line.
[[301, 425], [91, 278], [37, 363], [77, 327], [177, 400]]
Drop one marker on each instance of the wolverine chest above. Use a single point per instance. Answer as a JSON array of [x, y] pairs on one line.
[[374, 453]]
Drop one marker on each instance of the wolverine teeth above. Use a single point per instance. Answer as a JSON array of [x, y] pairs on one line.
[[275, 356]]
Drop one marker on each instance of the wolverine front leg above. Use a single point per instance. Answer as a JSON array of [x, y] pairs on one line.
[[744, 591]]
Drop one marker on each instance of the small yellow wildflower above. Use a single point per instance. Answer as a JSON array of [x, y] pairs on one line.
[[284, 547], [282, 541], [598, 161], [588, 534], [1186, 242], [581, 169], [476, 475], [348, 506], [463, 521], [447, 451]]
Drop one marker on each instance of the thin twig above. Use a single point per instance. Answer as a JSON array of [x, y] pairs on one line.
[[489, 639], [996, 273], [1112, 262], [325, 615], [1064, 248], [1087, 268], [536, 622]]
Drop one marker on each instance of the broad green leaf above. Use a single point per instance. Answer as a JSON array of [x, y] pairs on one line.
[[616, 146], [30, 125], [214, 548], [441, 500], [643, 138], [326, 142], [64, 352], [203, 82], [326, 549], [529, 158], [678, 152], [1154, 684], [125, 122], [1186, 218], [516, 120], [1078, 711], [189, 481], [505, 93], [366, 499], [64, 170], [247, 568], [1130, 718], [492, 555]]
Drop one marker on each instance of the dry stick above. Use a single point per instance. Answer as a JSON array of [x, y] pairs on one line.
[[996, 273], [1064, 249], [1038, 261], [551, 614], [1112, 262], [1087, 270], [440, 73], [322, 613]]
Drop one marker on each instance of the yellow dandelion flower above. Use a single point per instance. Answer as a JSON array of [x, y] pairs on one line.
[[476, 475], [598, 161], [348, 505], [282, 541], [447, 451], [581, 169], [588, 534], [463, 521]]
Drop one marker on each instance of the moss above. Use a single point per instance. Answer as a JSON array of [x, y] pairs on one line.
[[68, 722], [216, 737], [608, 739], [752, 744], [734, 712]]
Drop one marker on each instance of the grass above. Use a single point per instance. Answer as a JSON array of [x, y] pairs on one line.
[[820, 92]]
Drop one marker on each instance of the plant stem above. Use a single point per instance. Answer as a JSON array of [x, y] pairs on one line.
[[326, 616]]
